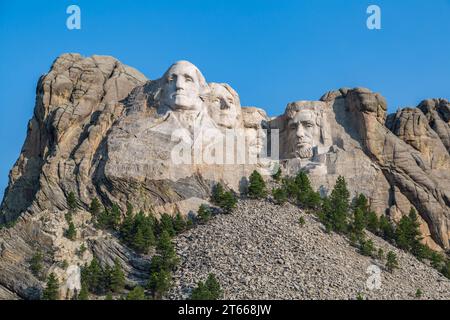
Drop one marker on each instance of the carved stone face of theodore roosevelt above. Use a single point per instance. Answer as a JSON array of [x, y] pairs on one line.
[[182, 88]]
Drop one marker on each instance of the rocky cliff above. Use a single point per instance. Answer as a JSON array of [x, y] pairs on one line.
[[100, 129]]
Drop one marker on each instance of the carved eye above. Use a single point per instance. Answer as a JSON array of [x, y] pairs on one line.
[[189, 79], [308, 124]]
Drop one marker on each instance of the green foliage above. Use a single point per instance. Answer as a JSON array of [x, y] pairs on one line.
[[372, 222], [225, 200], [301, 221], [358, 224], [386, 229], [137, 293], [109, 296], [257, 186], [109, 218], [36, 264], [419, 294], [380, 254], [96, 278], [71, 232], [160, 282], [95, 207], [209, 290], [166, 224], [138, 231], [179, 223], [277, 175], [367, 248], [335, 209], [51, 291], [279, 196], [81, 250], [391, 261], [217, 194], [162, 264], [72, 202], [359, 296], [117, 283], [407, 234], [84, 293], [300, 191], [204, 213], [446, 269]]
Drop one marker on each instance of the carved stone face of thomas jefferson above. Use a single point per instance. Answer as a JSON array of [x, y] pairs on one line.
[[225, 107], [303, 129], [182, 88]]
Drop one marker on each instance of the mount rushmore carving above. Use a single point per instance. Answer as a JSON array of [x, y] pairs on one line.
[[102, 130]]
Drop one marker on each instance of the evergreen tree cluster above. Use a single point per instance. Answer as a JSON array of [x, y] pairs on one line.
[[36, 264], [51, 291], [208, 290], [100, 280], [226, 200], [257, 186], [297, 190], [162, 266]]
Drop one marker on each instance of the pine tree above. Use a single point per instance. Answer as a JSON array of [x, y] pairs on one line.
[[217, 194], [373, 223], [115, 215], [139, 241], [117, 278], [367, 248], [71, 232], [200, 292], [407, 234], [358, 224], [84, 293], [228, 202], [166, 224], [277, 175], [335, 208], [279, 196], [160, 282], [213, 287], [166, 251], [204, 213], [257, 186], [391, 263], [179, 223], [137, 293], [72, 202], [51, 291], [387, 230], [36, 264], [209, 290], [95, 207]]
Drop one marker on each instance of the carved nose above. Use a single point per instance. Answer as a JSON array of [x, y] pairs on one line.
[[300, 132]]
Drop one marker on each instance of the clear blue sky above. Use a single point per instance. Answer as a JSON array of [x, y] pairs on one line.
[[271, 52]]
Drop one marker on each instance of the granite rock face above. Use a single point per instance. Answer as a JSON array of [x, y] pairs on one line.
[[100, 129]]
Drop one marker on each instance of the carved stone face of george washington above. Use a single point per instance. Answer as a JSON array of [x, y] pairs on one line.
[[183, 86]]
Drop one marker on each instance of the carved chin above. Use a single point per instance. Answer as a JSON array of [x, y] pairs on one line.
[[304, 153]]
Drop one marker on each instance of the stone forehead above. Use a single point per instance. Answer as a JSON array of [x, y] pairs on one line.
[[254, 117], [215, 87], [187, 65], [317, 107]]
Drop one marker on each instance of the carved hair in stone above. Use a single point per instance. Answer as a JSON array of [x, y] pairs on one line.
[[183, 88], [224, 106], [305, 129]]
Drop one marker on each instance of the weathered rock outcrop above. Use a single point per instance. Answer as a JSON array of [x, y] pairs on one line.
[[102, 130]]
